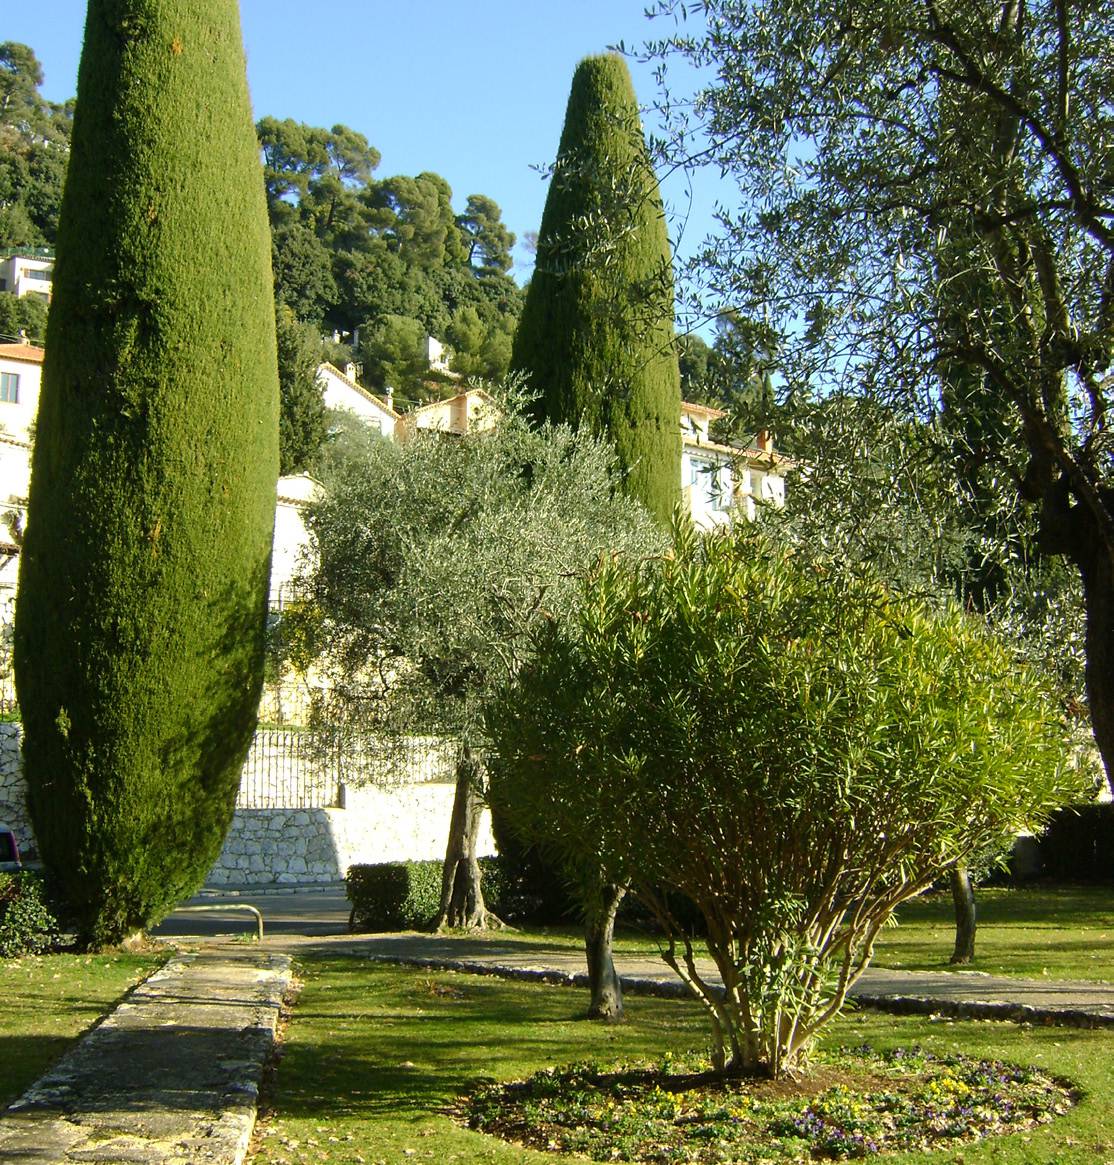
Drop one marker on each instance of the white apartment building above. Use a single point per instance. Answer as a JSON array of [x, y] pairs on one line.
[[27, 271]]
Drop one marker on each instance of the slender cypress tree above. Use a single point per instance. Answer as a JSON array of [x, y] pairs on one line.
[[143, 581], [596, 333]]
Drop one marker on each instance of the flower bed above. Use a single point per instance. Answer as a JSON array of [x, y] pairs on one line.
[[854, 1103]]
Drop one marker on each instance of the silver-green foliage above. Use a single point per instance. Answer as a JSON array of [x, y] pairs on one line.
[[783, 742], [925, 214], [433, 557]]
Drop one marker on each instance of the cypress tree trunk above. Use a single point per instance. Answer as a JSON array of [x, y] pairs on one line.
[[603, 980], [963, 896], [143, 582], [596, 332]]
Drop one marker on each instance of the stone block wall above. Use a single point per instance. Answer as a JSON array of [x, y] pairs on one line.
[[13, 799], [392, 823], [406, 821]]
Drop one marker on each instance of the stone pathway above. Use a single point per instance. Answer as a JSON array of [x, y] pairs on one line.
[[170, 1077]]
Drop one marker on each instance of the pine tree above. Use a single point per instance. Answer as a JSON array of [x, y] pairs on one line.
[[596, 333], [143, 581]]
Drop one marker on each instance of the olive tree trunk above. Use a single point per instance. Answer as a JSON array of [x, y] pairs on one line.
[[599, 931], [963, 895], [462, 900]]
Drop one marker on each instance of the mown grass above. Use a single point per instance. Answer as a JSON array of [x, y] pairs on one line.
[[376, 1058], [50, 1000], [1058, 932], [1062, 932]]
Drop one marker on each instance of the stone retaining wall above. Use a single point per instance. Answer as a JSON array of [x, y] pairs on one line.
[[13, 806], [377, 824], [397, 822]]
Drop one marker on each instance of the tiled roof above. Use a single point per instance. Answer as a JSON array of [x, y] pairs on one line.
[[696, 410], [27, 352], [436, 404]]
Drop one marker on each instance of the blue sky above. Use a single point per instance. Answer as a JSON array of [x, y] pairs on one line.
[[475, 92]]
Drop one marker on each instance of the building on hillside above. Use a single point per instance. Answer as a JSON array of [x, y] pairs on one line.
[[471, 411], [21, 374], [342, 391], [27, 271], [21, 371], [20, 384], [721, 480], [438, 356], [295, 494], [718, 480]]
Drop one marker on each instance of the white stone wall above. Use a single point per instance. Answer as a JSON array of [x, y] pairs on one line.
[[13, 805], [300, 846], [285, 846], [398, 822]]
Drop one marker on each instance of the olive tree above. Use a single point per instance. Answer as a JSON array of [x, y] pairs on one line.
[[432, 557], [784, 743], [925, 211]]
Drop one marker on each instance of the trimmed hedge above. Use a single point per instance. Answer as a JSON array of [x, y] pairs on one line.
[[27, 924], [390, 896], [394, 895]]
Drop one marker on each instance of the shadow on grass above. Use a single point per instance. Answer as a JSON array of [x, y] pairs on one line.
[[23, 1059], [376, 1041], [41, 1028]]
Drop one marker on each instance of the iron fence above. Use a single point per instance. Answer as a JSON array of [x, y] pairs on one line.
[[290, 770]]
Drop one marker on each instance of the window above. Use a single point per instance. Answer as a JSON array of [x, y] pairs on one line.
[[9, 387], [43, 273]]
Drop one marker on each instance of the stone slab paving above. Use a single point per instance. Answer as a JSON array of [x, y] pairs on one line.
[[966, 994], [171, 1076]]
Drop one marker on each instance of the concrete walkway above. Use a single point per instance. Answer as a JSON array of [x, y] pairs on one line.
[[964, 994], [170, 1077]]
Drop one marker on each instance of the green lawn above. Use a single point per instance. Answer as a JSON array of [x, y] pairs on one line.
[[1062, 933], [1059, 932], [375, 1059], [50, 1000]]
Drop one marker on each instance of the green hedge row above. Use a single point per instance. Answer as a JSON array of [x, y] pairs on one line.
[[405, 895], [391, 896]]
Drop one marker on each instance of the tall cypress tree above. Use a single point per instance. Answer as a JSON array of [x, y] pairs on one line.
[[596, 333], [143, 581]]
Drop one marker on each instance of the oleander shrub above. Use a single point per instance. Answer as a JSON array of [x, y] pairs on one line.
[[783, 742]]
